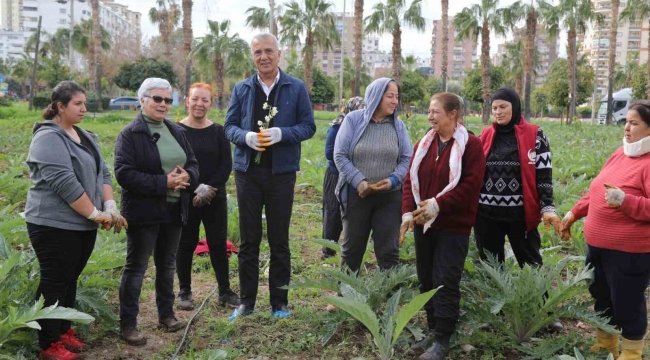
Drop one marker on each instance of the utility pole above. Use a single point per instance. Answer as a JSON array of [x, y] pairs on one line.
[[70, 36], [342, 57], [272, 17], [573, 82], [33, 82]]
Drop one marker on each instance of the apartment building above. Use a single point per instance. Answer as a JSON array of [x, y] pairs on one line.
[[331, 61], [631, 43], [10, 14], [460, 54], [120, 22], [11, 44]]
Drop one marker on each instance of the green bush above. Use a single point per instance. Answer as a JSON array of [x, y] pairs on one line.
[[91, 102], [4, 101], [584, 112], [41, 100]]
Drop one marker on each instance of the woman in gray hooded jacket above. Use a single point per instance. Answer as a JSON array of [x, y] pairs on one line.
[[71, 196], [372, 153]]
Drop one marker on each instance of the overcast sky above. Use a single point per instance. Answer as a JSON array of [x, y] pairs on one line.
[[413, 42]]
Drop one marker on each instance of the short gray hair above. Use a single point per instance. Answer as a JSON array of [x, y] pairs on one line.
[[153, 83], [266, 36]]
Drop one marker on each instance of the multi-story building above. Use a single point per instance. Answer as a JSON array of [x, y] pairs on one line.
[[548, 49], [11, 44], [332, 61], [631, 39], [460, 54], [502, 49], [22, 16], [10, 14]]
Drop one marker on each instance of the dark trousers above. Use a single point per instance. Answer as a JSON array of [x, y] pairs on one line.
[[256, 189], [332, 223], [440, 260], [62, 255], [491, 237], [142, 240], [380, 213], [620, 281], [215, 219]]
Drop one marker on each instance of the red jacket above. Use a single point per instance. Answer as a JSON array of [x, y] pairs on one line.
[[526, 134], [457, 207], [626, 228]]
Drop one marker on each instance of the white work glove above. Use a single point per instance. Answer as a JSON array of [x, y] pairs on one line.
[[204, 195], [117, 220], [270, 136], [253, 141], [614, 196], [428, 211], [407, 225]]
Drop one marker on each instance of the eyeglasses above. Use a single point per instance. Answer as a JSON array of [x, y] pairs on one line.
[[158, 99]]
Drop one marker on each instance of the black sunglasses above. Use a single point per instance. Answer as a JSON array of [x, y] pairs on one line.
[[158, 99]]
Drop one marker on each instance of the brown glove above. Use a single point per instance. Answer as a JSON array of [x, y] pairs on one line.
[[204, 195], [565, 226], [551, 218]]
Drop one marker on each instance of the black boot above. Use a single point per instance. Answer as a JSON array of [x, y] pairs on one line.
[[425, 343], [439, 350]]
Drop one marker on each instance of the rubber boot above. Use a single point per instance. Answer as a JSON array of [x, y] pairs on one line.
[[632, 350], [439, 350], [605, 341]]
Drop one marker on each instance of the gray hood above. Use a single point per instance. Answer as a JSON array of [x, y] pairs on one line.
[[374, 93]]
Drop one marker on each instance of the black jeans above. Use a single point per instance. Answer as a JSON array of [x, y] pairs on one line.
[[162, 239], [62, 255], [380, 213], [440, 260], [256, 189], [332, 223], [491, 236], [620, 281], [215, 219]]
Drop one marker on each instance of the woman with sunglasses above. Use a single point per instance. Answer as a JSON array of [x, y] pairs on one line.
[[156, 167]]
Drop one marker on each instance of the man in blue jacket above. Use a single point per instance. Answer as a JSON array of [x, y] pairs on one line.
[[269, 116]]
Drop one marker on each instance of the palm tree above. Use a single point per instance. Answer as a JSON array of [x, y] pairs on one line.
[[95, 80], [575, 16], [612, 59], [358, 33], [512, 60], [187, 42], [481, 19], [389, 18], [82, 36], [21, 71], [316, 22], [445, 42], [639, 10], [166, 16], [50, 44], [531, 12], [409, 63], [218, 48], [259, 18]]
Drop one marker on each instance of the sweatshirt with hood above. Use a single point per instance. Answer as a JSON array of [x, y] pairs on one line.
[[352, 129], [61, 171]]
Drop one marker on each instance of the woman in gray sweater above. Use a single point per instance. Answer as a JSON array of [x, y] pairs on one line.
[[70, 197], [372, 153]]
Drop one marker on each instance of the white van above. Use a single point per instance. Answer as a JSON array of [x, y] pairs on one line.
[[621, 101]]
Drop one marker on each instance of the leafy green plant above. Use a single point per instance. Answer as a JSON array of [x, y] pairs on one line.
[[20, 318], [386, 329], [579, 356], [520, 302]]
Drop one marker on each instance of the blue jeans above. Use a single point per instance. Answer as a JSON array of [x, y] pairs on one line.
[[162, 239]]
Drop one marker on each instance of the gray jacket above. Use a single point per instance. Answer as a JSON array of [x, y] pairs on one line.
[[61, 171], [348, 136]]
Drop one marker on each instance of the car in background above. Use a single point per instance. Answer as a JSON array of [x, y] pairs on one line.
[[125, 103]]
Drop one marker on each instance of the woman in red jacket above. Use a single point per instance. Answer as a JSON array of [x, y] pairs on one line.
[[617, 232], [440, 197]]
